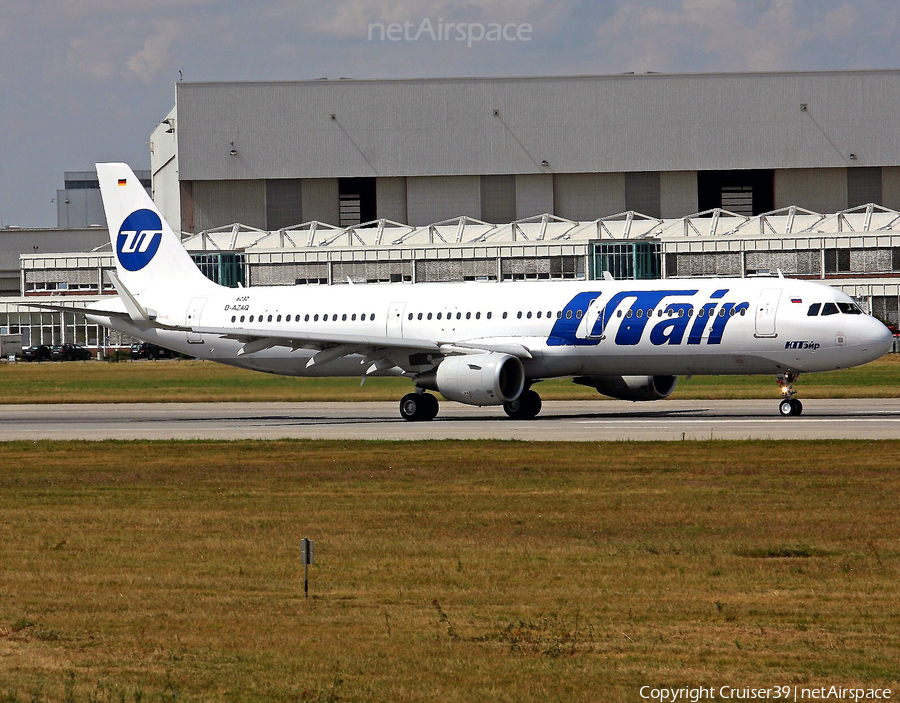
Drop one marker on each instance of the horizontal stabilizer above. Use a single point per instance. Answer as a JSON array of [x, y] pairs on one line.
[[80, 309], [135, 310]]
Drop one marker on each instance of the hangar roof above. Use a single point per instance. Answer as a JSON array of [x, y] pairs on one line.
[[790, 222]]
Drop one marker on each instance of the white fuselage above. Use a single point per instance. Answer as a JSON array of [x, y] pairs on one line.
[[583, 328]]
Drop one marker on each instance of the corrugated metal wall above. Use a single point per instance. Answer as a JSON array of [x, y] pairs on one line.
[[320, 200], [584, 124], [534, 195], [216, 203], [390, 198], [498, 198], [585, 196], [816, 189], [432, 199]]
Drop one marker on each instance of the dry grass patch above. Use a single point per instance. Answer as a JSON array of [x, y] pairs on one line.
[[446, 571], [199, 381]]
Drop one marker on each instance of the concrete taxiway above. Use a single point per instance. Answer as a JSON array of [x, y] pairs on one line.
[[559, 421]]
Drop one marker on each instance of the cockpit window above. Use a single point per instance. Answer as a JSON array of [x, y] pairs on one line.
[[850, 308], [829, 309], [814, 309]]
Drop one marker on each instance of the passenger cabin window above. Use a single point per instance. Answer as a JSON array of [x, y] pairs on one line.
[[829, 309], [814, 309]]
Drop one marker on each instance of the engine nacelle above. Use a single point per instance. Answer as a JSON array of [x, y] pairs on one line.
[[477, 379], [631, 387]]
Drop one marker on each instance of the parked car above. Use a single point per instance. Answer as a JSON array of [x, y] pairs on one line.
[[146, 350], [36, 352], [69, 352]]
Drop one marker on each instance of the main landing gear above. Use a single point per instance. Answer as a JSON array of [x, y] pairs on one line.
[[525, 407], [789, 406], [418, 406], [421, 406]]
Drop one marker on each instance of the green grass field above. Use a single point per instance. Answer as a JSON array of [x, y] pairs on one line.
[[196, 381], [445, 571]]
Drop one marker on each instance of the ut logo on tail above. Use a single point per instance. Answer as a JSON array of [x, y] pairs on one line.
[[138, 240]]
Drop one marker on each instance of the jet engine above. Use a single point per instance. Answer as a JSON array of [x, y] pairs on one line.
[[477, 379], [631, 387]]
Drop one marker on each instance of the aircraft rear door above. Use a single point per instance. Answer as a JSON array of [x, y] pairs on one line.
[[394, 327], [193, 320], [766, 309]]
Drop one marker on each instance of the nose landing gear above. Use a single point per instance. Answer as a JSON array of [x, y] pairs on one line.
[[789, 406]]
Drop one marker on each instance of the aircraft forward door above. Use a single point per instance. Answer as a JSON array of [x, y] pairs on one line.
[[766, 309], [394, 327], [448, 323], [594, 319], [193, 320]]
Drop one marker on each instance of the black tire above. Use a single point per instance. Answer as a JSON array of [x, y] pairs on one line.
[[798, 407], [525, 407], [431, 406], [786, 408], [412, 407]]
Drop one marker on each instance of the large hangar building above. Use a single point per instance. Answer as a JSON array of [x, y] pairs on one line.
[[321, 182]]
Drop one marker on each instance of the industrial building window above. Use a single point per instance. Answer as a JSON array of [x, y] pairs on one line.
[[863, 185], [837, 260], [749, 192], [626, 260], [222, 268], [530, 268], [642, 193], [886, 308], [671, 264], [357, 200], [498, 199]]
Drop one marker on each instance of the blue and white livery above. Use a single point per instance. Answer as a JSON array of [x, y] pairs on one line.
[[479, 343]]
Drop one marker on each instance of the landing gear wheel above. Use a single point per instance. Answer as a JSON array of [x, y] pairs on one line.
[[790, 407], [418, 406], [431, 406], [525, 407]]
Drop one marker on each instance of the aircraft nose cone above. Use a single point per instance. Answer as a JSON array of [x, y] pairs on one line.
[[882, 341]]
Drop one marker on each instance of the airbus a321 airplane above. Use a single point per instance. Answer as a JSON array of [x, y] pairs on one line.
[[478, 343]]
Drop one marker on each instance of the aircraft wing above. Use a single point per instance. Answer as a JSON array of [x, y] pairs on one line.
[[381, 351]]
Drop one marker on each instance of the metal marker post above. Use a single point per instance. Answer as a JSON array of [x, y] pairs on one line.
[[306, 556]]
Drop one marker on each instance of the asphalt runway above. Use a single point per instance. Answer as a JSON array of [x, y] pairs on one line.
[[559, 421]]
